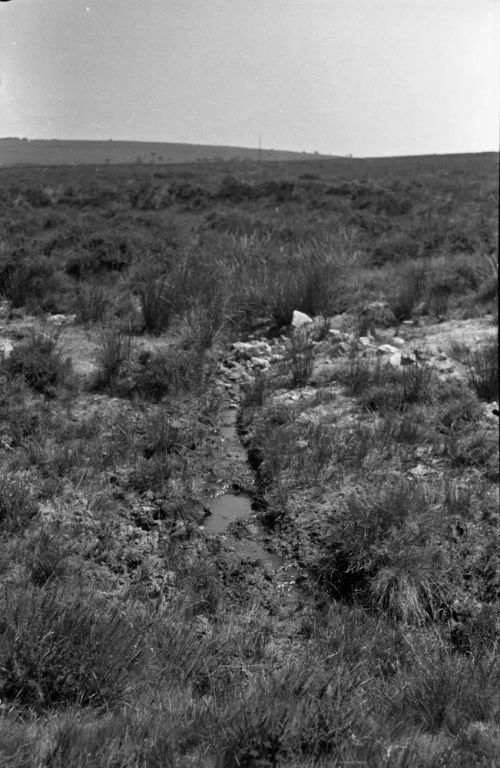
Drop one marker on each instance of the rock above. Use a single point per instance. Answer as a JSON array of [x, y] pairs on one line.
[[6, 347], [395, 359], [387, 349], [398, 341], [300, 318], [366, 341], [419, 471], [259, 362], [323, 373], [491, 411], [247, 349], [61, 319]]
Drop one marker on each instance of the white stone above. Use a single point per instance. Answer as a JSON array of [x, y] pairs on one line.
[[395, 360], [387, 349], [6, 347], [300, 318], [259, 362]]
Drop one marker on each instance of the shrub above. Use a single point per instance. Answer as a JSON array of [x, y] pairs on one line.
[[482, 368], [40, 363], [58, 649]]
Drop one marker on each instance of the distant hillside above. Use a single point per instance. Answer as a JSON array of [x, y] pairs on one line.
[[53, 152]]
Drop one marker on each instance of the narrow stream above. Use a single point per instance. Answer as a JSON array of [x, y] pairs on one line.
[[226, 508]]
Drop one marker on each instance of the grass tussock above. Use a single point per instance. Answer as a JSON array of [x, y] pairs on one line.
[[57, 649], [40, 363], [482, 366]]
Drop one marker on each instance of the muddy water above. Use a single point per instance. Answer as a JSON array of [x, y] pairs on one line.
[[226, 508]]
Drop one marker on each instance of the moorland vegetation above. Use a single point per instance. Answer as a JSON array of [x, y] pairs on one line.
[[133, 637]]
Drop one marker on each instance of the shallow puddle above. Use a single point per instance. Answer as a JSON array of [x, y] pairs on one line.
[[225, 509]]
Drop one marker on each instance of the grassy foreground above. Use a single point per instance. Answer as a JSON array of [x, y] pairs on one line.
[[130, 637]]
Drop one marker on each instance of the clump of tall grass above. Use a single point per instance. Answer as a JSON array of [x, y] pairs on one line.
[[17, 503], [57, 648], [482, 370], [170, 372], [381, 550], [300, 356], [381, 387], [113, 351], [40, 363], [92, 302], [408, 290]]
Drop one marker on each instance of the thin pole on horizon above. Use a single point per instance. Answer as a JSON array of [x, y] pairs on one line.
[[260, 150]]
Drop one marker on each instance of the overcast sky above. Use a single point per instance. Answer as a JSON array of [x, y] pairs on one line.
[[367, 77]]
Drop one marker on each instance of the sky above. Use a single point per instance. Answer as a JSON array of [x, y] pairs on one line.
[[361, 77]]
